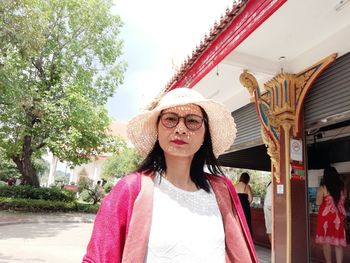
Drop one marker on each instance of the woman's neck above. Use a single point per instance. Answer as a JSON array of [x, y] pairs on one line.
[[178, 172]]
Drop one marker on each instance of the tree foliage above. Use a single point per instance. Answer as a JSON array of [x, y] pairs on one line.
[[8, 168], [59, 63], [121, 163], [258, 179], [89, 192]]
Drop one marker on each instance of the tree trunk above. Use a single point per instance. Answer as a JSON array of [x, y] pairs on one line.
[[25, 165]]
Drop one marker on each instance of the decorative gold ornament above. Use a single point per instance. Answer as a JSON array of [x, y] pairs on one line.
[[249, 81], [280, 106]]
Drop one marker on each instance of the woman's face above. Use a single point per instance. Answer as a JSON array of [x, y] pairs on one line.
[[185, 138]]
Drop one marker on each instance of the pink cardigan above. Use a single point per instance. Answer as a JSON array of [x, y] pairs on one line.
[[123, 222]]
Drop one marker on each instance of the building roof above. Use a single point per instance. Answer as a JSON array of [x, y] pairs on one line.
[[207, 40], [263, 36]]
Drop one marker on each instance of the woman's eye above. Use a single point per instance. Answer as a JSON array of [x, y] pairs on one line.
[[171, 118], [194, 119]]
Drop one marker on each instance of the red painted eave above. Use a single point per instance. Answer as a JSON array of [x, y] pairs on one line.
[[237, 24]]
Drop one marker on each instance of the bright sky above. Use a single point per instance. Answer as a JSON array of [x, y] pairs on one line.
[[155, 33]]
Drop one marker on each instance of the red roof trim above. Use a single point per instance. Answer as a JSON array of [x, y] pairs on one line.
[[225, 41]]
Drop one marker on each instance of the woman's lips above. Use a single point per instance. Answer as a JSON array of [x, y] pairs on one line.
[[179, 142]]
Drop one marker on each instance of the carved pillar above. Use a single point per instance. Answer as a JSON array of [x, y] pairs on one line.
[[279, 111]]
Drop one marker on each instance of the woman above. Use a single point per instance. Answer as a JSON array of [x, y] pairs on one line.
[[245, 195], [170, 210], [330, 230]]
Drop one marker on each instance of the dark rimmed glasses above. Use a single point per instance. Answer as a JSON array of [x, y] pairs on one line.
[[171, 119]]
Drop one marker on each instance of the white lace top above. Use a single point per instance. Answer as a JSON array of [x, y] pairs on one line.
[[186, 226]]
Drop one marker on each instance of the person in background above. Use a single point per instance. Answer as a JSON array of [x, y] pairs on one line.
[[99, 190], [11, 181], [169, 209], [245, 195], [268, 210], [330, 231]]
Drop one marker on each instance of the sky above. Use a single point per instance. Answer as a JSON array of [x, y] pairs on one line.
[[157, 34]]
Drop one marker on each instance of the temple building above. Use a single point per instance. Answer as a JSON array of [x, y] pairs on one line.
[[93, 169], [283, 69]]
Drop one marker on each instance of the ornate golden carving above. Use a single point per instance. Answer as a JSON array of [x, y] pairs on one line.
[[266, 98], [304, 81], [273, 152], [249, 81], [281, 110], [281, 105]]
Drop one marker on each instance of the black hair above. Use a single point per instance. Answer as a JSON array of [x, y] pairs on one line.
[[245, 178], [333, 183], [155, 160]]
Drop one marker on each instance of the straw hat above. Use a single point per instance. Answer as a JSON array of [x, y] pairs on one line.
[[142, 129]]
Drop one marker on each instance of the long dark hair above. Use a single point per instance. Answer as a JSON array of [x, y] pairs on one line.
[[245, 178], [333, 183], [155, 160]]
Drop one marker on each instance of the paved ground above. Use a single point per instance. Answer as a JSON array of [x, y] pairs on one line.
[[264, 254], [52, 238]]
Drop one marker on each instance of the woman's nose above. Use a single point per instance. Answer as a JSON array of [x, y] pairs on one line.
[[181, 127]]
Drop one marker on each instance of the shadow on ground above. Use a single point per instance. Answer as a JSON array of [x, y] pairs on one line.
[[8, 259], [33, 230]]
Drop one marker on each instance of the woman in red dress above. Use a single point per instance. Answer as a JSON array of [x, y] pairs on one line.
[[331, 214]]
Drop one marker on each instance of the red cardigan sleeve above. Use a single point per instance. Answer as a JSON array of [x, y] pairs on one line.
[[111, 222], [240, 213]]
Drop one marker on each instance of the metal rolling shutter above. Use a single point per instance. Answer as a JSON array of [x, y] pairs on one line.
[[248, 128], [329, 95], [248, 150]]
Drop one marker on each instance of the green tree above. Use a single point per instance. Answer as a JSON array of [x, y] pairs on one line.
[[61, 178], [88, 192], [7, 167], [42, 168], [121, 163], [59, 63]]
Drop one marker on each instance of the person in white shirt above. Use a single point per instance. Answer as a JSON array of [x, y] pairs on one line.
[[268, 210]]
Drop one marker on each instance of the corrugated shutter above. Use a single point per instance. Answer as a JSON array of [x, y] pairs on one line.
[[248, 128], [329, 96]]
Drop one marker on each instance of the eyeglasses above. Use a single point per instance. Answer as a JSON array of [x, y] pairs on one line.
[[192, 121]]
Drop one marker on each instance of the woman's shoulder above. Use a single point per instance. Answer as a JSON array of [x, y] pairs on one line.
[[221, 180], [323, 189], [128, 183], [217, 178], [129, 179], [241, 187]]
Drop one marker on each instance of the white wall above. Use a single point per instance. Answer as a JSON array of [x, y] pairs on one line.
[[316, 175], [93, 169]]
